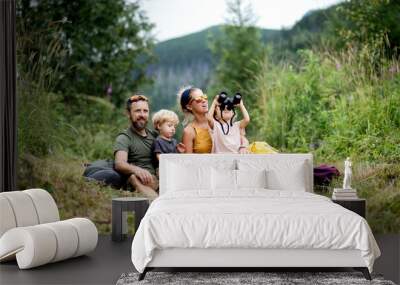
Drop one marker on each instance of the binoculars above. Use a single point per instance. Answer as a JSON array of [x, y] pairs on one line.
[[228, 102]]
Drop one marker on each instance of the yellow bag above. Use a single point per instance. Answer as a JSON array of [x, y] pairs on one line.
[[261, 148]]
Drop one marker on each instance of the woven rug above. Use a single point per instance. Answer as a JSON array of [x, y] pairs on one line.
[[230, 278]]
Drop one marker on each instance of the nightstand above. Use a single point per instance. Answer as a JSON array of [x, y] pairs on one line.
[[356, 205], [119, 218]]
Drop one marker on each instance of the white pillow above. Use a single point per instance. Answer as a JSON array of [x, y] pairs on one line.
[[223, 179], [281, 174], [251, 178], [183, 177], [293, 179]]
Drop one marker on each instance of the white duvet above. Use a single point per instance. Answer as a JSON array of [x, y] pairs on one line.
[[252, 218]]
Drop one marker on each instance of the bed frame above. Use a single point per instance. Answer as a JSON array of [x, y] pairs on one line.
[[246, 258], [242, 259]]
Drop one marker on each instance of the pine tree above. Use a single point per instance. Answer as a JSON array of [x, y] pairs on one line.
[[239, 51]]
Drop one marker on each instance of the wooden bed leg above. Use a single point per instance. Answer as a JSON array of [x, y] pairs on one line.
[[364, 271], [143, 274]]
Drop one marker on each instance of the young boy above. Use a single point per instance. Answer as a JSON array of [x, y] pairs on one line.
[[165, 122]]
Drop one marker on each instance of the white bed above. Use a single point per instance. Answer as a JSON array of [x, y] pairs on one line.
[[247, 211]]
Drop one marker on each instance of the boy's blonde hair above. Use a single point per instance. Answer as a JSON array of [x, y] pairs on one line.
[[163, 116]]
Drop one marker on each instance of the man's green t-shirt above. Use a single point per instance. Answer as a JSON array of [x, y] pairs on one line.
[[139, 148]]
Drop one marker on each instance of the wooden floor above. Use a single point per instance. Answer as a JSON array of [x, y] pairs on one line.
[[103, 266], [111, 259]]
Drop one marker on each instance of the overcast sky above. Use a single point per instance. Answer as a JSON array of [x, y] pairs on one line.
[[175, 18]]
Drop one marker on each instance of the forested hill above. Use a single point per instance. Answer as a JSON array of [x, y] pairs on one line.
[[194, 47], [188, 59]]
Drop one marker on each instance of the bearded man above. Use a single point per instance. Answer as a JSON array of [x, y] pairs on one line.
[[133, 149]]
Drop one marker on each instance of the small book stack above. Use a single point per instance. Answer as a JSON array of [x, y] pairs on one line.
[[344, 194]]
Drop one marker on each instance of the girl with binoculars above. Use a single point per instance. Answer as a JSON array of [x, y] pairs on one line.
[[227, 135]]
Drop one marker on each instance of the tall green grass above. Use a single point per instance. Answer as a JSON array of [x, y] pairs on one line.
[[337, 105], [333, 105], [90, 126], [37, 119]]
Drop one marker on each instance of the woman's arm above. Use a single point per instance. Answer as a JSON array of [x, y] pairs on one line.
[[246, 118], [210, 115], [188, 138]]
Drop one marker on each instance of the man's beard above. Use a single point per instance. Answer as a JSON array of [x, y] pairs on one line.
[[139, 125]]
